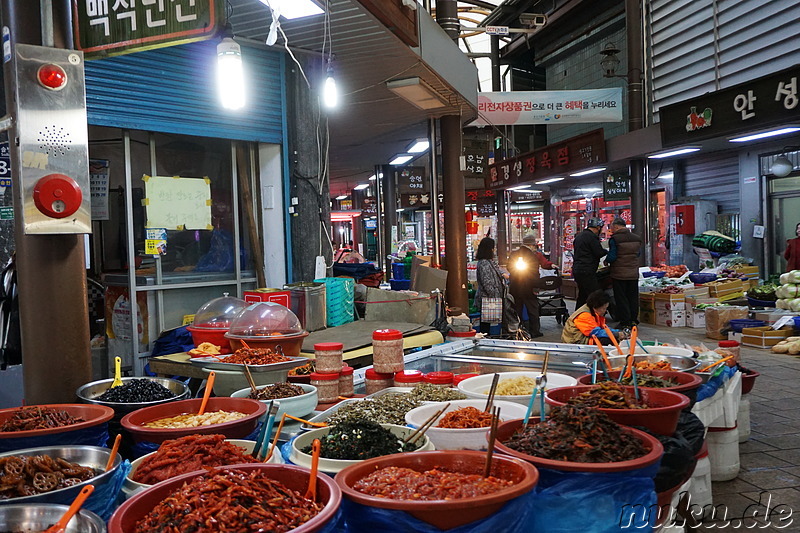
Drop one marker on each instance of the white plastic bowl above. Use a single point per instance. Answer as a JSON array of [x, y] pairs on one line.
[[229, 381], [478, 387], [298, 406], [460, 439], [653, 350], [131, 487], [334, 466]]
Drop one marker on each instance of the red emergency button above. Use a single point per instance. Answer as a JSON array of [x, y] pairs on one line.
[[57, 196], [52, 77]]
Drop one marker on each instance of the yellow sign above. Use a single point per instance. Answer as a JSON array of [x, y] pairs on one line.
[[155, 247], [187, 320], [177, 203]]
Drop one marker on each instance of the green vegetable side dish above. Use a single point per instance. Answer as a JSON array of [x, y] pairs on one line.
[[386, 409], [360, 440], [646, 380], [427, 392]]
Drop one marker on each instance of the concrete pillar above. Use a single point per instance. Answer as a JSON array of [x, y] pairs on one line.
[[51, 271]]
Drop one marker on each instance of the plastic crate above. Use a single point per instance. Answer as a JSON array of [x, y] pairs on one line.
[[737, 324], [400, 284]]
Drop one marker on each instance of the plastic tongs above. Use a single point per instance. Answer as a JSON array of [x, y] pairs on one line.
[[538, 390]]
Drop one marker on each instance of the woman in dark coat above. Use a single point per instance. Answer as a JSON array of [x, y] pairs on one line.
[[491, 280], [792, 253]]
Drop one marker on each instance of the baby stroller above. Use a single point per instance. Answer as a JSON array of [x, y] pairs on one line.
[[551, 300]]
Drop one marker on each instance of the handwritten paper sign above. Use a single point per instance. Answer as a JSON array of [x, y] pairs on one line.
[[177, 203], [98, 188]]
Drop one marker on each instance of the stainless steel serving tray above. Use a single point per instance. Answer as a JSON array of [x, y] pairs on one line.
[[213, 363]]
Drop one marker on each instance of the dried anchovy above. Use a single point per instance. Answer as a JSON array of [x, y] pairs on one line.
[[356, 441], [386, 409], [428, 392], [28, 475], [278, 390], [135, 391], [29, 418], [607, 395], [230, 501], [579, 435]]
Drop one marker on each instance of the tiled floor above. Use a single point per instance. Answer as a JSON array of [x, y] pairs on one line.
[[770, 459]]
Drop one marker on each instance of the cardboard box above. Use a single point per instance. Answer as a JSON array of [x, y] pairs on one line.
[[723, 289], [670, 305], [701, 292], [765, 336], [647, 302], [696, 318], [647, 316], [666, 297], [751, 272], [277, 296], [672, 319], [735, 298], [770, 317]]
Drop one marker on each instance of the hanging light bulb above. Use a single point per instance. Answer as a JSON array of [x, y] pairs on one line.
[[230, 73], [330, 94]]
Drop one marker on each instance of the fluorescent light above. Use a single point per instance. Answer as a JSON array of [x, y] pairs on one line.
[[519, 187], [342, 197], [765, 134], [419, 146], [419, 93], [330, 95], [679, 151], [294, 9], [401, 159], [588, 171], [361, 186], [551, 180], [400, 210], [373, 178], [230, 74], [591, 189]]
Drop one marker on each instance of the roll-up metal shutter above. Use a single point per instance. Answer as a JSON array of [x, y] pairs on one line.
[[699, 46], [715, 177], [173, 90]]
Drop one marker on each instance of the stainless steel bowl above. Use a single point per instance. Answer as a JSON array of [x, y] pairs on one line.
[[89, 456], [679, 362], [89, 392], [37, 517]]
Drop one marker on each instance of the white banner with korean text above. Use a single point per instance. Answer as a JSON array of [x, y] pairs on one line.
[[549, 107]]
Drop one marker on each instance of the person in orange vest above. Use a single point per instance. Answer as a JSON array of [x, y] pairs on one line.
[[588, 320]]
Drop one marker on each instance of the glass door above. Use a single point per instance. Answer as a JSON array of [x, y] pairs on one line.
[[785, 212]]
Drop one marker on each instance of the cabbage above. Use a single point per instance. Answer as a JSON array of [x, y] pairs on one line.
[[794, 304], [794, 276], [781, 304], [779, 292], [784, 278], [790, 290]]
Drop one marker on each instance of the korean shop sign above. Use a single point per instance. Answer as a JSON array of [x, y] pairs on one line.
[[411, 180], [571, 155], [748, 107], [114, 27], [616, 186], [549, 107]]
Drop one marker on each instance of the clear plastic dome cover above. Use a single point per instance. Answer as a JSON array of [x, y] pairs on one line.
[[219, 312], [265, 319]]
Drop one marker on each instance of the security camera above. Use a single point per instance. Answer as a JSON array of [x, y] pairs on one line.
[[531, 20]]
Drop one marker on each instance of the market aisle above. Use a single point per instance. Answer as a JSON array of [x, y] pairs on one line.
[[770, 459]]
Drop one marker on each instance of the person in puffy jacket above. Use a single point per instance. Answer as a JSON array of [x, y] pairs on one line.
[[586, 255], [588, 320], [624, 249]]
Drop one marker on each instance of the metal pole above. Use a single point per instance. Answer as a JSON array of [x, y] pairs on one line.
[[381, 255], [495, 55], [51, 271], [447, 17], [637, 170], [455, 228], [389, 212], [437, 253]]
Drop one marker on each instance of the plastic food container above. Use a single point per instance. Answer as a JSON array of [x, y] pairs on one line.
[[236, 429], [346, 387], [444, 514], [267, 325], [92, 414], [407, 378], [332, 466], [661, 416], [748, 379], [387, 351], [294, 477], [375, 381], [328, 357], [733, 347], [213, 319], [327, 386], [440, 378], [737, 324], [506, 429], [477, 387], [687, 383], [460, 439], [458, 378]]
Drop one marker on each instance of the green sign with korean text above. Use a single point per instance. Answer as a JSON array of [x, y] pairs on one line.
[[616, 186], [113, 27]]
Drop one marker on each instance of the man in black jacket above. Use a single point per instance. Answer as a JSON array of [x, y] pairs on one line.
[[624, 249], [586, 255], [523, 264]]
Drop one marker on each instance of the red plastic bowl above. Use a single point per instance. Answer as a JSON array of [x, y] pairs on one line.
[[655, 450], [444, 514], [748, 379], [92, 415], [661, 416], [687, 383], [294, 477], [214, 335], [237, 429]]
